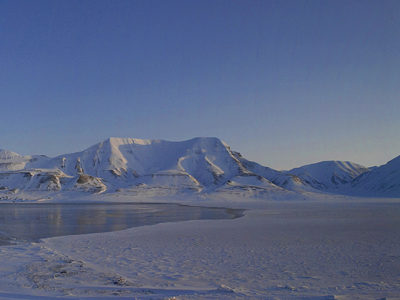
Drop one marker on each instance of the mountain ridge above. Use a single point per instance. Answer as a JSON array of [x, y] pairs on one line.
[[329, 175], [198, 165]]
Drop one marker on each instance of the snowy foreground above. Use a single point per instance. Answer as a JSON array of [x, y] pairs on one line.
[[345, 248]]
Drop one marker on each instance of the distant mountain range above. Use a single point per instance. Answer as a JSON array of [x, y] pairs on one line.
[[199, 166]]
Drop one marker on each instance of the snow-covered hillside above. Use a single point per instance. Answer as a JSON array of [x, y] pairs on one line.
[[282, 179], [196, 166], [11, 161], [136, 165], [380, 181], [329, 175]]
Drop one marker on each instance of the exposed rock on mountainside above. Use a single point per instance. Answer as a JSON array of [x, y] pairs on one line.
[[199, 165]]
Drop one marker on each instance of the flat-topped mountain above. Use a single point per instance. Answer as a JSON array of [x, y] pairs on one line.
[[199, 165], [196, 165]]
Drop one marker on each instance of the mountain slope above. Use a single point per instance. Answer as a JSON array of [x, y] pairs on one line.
[[383, 180], [329, 175], [282, 179], [196, 165], [200, 161], [11, 161]]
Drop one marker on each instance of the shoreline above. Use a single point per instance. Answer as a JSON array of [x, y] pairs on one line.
[[294, 250]]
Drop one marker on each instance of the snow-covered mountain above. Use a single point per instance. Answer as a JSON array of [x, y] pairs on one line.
[[284, 180], [196, 165], [329, 175], [199, 165], [383, 180]]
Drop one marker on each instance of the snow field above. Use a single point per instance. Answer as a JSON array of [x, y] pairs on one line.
[[284, 251]]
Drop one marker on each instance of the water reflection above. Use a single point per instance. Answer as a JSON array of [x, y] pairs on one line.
[[31, 222]]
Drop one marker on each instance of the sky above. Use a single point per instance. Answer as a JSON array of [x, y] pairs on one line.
[[285, 83]]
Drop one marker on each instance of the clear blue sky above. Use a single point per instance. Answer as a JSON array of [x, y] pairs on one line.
[[283, 82]]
